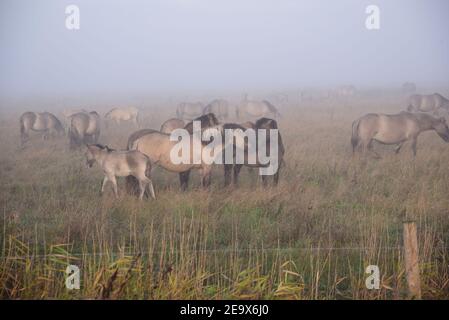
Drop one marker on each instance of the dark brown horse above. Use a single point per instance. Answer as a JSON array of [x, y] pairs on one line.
[[266, 124]]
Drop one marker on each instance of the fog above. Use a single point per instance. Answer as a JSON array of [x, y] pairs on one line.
[[199, 45]]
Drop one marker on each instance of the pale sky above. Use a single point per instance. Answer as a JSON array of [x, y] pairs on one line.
[[198, 45]]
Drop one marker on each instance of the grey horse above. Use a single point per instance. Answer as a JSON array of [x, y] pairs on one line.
[[84, 129], [44, 122], [123, 114], [219, 107], [394, 129], [256, 109], [427, 103]]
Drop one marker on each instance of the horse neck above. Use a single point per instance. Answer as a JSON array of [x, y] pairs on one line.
[[425, 124], [100, 156]]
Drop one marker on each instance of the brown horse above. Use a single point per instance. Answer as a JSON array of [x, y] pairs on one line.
[[394, 129], [263, 124]]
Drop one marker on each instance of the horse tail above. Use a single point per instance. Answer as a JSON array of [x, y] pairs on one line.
[[137, 120], [355, 135], [22, 126]]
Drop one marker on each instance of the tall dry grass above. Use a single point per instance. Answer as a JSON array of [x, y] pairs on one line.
[[309, 238]]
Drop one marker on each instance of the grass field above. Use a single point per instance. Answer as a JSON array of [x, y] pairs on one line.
[[309, 238]]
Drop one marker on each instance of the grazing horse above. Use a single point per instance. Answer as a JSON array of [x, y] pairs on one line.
[[172, 124], [394, 129], [427, 103], [219, 107], [255, 109], [189, 110], [84, 129], [123, 114], [266, 124], [42, 122], [121, 164]]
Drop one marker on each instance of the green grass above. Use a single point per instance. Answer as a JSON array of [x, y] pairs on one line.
[[309, 238]]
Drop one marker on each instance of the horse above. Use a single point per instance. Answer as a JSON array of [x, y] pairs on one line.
[[219, 107], [70, 112], [255, 109], [172, 124], [123, 114], [189, 110], [44, 122], [158, 147], [394, 129], [427, 103], [206, 120], [408, 88], [84, 129], [264, 124], [121, 164], [248, 125]]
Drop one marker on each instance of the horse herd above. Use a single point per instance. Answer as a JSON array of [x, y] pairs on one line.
[[147, 148]]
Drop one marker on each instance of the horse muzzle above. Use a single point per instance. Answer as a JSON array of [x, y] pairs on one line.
[[90, 163]]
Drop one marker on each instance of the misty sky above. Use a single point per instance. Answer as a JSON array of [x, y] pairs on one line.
[[169, 45]]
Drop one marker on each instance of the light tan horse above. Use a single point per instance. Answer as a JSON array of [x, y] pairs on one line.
[[123, 114], [219, 107], [84, 129], [427, 103], [189, 110], [394, 129], [172, 124], [44, 122], [121, 164], [256, 109]]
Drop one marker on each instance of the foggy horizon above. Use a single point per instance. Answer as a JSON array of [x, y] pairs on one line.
[[193, 46]]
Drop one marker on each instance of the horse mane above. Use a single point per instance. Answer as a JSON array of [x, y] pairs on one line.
[[262, 121], [271, 106], [207, 120], [103, 147]]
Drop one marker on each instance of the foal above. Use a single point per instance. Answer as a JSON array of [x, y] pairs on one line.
[[121, 164]]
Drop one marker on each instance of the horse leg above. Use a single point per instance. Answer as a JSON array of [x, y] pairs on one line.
[[142, 185], [398, 147], [105, 180], [205, 176], [150, 186], [276, 175], [45, 135], [414, 143], [184, 179], [227, 174], [114, 185], [237, 168], [369, 147]]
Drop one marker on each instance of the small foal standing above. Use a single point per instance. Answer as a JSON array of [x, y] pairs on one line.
[[121, 164]]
